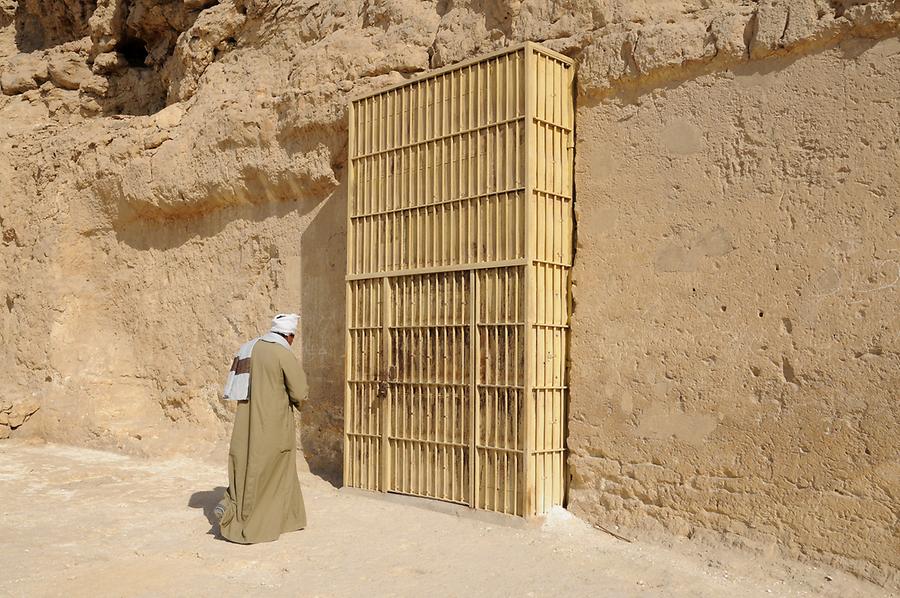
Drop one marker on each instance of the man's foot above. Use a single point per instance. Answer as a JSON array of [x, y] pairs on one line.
[[220, 512]]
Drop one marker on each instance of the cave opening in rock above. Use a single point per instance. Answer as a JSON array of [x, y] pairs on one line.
[[134, 50]]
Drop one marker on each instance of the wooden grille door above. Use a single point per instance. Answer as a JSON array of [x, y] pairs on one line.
[[459, 252]]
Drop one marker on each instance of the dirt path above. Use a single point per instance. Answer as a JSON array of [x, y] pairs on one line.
[[78, 522]]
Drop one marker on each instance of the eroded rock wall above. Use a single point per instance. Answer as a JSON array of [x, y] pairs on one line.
[[171, 173], [737, 281]]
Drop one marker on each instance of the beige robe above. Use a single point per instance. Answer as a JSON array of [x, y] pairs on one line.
[[263, 498]]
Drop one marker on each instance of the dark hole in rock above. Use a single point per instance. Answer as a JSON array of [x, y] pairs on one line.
[[787, 371], [724, 308], [761, 314], [9, 303], [134, 50]]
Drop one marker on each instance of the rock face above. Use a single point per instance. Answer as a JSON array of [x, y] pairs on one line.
[[172, 173], [13, 415], [737, 280], [24, 72]]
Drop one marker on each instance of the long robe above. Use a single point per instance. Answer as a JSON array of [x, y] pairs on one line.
[[263, 498]]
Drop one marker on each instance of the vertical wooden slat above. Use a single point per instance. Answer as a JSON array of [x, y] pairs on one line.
[[349, 287], [569, 121], [385, 400], [474, 360], [527, 476]]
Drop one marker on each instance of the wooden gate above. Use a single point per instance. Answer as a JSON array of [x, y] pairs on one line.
[[459, 251]]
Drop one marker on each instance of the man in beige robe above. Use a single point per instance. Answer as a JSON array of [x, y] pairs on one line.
[[263, 499]]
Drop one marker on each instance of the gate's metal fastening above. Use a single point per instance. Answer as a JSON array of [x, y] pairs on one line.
[[459, 248]]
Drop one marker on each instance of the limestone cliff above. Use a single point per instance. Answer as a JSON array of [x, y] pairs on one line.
[[172, 173]]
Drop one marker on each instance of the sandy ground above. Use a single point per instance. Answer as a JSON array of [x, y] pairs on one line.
[[79, 522]]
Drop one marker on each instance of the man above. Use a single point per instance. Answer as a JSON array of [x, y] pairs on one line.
[[263, 498]]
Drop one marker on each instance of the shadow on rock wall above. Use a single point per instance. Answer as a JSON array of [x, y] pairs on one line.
[[323, 253], [217, 241], [143, 234], [47, 23]]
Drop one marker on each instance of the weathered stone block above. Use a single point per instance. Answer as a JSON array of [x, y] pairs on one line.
[[68, 71], [23, 72]]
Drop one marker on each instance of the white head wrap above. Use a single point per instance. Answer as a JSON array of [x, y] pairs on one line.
[[285, 323]]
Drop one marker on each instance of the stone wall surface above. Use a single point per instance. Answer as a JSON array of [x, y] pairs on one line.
[[738, 280], [172, 173]]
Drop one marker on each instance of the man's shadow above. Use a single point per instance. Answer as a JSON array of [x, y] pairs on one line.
[[207, 500]]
